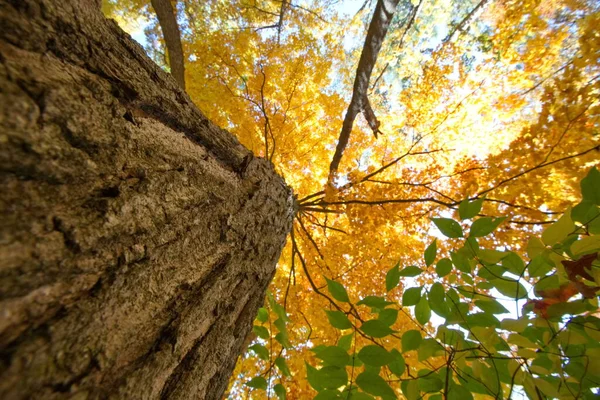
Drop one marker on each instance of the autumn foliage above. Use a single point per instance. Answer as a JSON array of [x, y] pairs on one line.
[[453, 252]]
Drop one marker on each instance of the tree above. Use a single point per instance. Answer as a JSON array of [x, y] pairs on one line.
[[137, 237], [519, 79], [545, 351], [170, 29]]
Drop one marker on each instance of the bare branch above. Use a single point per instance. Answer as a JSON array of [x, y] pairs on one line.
[[280, 22], [172, 35], [542, 165], [411, 21], [265, 27], [531, 222], [383, 201], [324, 226], [461, 25], [310, 238], [531, 89], [567, 128], [384, 11], [264, 111], [268, 131], [299, 7], [509, 204], [370, 117]]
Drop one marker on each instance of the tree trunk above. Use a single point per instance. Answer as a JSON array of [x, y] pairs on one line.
[[170, 29], [137, 238]]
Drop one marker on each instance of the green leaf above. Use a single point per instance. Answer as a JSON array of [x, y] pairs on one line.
[[263, 315], [436, 293], [411, 271], [546, 283], [338, 319], [430, 384], [411, 340], [443, 267], [484, 226], [521, 341], [491, 256], [515, 325], [388, 316], [376, 328], [449, 336], [491, 306], [278, 308], [345, 341], [327, 377], [410, 389], [469, 209], [398, 365], [590, 186], [547, 388], [430, 253], [328, 395], [586, 245], [260, 350], [360, 396], [280, 391], [535, 247], [411, 296], [428, 348], [449, 227], [513, 263], [471, 247], [559, 230], [374, 301], [373, 384], [461, 262], [458, 392], [375, 355], [312, 377], [510, 288], [392, 278], [577, 369], [283, 339], [337, 290], [332, 355], [257, 382], [539, 266], [280, 325], [261, 332], [484, 285], [585, 212], [282, 365], [437, 300], [422, 311], [482, 319], [571, 308]]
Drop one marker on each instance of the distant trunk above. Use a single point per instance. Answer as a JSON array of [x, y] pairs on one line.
[[136, 238], [167, 18]]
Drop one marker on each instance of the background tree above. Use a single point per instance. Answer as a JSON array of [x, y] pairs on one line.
[[170, 29]]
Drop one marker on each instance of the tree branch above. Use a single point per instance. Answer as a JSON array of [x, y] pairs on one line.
[[542, 165], [465, 21], [384, 11], [172, 35]]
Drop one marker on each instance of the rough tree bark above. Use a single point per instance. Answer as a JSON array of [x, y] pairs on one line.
[[137, 238]]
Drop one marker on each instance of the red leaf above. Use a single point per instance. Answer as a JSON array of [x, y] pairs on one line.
[[578, 267]]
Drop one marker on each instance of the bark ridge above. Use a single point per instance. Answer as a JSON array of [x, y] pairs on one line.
[[137, 238]]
